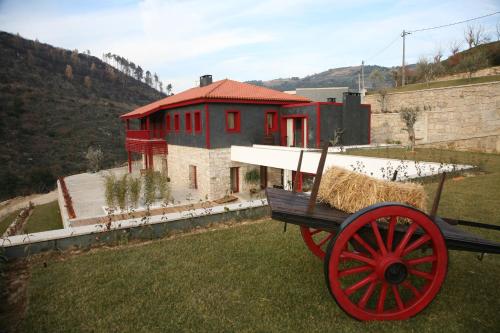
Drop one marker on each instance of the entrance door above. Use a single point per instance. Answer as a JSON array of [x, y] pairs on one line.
[[235, 179]]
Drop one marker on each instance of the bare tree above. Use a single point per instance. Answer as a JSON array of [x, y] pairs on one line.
[[68, 72], [455, 47], [87, 82], [424, 70], [475, 35], [409, 117], [94, 158]]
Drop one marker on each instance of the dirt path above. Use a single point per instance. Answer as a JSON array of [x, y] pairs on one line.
[[8, 206]]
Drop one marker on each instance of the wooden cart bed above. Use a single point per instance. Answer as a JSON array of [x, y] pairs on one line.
[[290, 207]]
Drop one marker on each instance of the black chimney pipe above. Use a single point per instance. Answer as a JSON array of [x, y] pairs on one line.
[[205, 80]]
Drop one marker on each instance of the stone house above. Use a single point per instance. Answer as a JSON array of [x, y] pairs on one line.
[[189, 135]]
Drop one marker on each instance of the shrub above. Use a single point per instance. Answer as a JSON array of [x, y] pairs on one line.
[[94, 157], [109, 189], [134, 191], [162, 186], [252, 176], [149, 187], [120, 191], [409, 116]]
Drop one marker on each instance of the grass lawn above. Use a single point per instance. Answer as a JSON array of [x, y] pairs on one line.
[[255, 278], [44, 217], [7, 220], [442, 84]]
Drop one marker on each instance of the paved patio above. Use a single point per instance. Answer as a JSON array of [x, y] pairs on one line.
[[87, 193]]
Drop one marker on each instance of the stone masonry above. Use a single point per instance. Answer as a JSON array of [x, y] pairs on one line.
[[464, 117]]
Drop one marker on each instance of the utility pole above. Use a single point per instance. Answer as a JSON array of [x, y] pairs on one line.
[[403, 65], [362, 75]]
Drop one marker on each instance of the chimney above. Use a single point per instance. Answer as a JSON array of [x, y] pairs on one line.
[[205, 80]]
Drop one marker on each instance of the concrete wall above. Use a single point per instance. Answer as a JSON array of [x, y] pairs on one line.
[[464, 117]]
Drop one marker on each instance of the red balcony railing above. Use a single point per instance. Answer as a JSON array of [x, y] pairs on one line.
[[146, 142]]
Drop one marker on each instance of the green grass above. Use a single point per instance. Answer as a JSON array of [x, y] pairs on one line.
[[44, 217], [7, 220], [442, 84], [256, 278]]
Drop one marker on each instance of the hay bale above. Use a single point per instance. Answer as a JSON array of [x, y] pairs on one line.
[[350, 191]]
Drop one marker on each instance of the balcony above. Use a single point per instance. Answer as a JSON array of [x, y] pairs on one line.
[[146, 142]]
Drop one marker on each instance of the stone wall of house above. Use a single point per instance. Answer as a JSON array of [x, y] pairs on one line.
[[465, 117], [179, 159], [274, 177]]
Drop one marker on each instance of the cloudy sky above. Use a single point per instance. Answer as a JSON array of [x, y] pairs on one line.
[[246, 39]]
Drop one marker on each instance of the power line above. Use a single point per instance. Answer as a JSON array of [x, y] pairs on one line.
[[455, 23], [383, 49]]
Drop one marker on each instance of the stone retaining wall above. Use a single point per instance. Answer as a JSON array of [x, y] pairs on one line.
[[465, 117]]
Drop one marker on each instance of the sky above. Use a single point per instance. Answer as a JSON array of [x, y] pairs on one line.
[[247, 39]]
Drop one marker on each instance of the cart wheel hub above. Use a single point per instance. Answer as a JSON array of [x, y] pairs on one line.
[[396, 273]]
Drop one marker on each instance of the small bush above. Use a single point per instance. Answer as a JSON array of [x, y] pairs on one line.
[[149, 187], [109, 189], [134, 191], [162, 186], [252, 176], [120, 191]]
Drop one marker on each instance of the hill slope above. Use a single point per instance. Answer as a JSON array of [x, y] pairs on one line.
[[49, 117], [335, 77]]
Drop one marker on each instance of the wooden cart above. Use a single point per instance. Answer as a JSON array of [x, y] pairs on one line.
[[384, 262]]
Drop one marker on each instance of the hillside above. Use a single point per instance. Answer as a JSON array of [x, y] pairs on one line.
[[335, 77], [50, 116], [481, 56]]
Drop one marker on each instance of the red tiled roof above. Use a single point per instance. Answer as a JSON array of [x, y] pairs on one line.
[[219, 90]]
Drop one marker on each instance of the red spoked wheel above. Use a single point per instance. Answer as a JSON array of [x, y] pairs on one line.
[[377, 269], [316, 240]]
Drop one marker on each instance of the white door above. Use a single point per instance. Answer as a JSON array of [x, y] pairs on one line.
[[289, 132]]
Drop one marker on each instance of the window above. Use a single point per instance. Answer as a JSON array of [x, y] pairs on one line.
[[197, 121], [271, 121], [188, 122], [193, 182], [232, 121], [177, 123], [167, 122]]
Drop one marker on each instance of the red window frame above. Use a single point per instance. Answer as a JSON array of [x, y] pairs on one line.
[[167, 122], [274, 128], [188, 125], [237, 121], [177, 122], [197, 122]]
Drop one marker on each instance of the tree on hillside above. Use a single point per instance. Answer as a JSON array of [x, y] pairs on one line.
[[378, 83], [69, 72], [74, 57], [498, 31], [160, 84], [424, 70], [93, 67], [139, 73], [169, 89], [155, 76], [473, 61], [87, 82], [475, 35], [148, 79]]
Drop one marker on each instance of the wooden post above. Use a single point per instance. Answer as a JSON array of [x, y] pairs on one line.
[[317, 179], [297, 173], [437, 197]]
